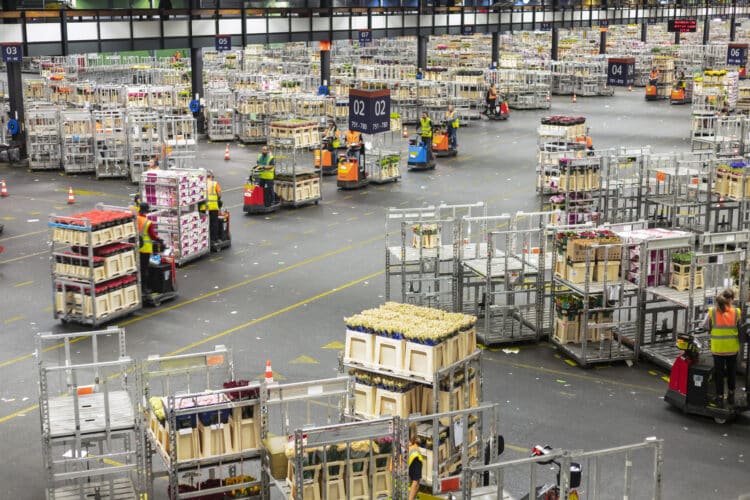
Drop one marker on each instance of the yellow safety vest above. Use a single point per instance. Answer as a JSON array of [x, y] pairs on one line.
[[426, 125], [414, 454], [213, 196], [147, 246], [266, 175], [335, 142], [451, 117], [725, 337]]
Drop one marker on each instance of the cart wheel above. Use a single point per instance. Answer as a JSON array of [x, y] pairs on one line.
[[720, 420], [317, 201], [157, 302], [63, 321]]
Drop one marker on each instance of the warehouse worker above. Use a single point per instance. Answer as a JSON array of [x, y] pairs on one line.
[[153, 164], [146, 237], [680, 80], [451, 124], [425, 131], [266, 166], [415, 462], [653, 77], [723, 322], [490, 99], [136, 206], [333, 136], [213, 196], [354, 145]]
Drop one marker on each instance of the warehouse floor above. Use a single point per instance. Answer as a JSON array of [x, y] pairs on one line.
[[282, 289]]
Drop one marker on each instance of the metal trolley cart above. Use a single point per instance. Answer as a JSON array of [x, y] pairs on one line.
[[78, 142], [89, 406], [43, 138], [111, 139]]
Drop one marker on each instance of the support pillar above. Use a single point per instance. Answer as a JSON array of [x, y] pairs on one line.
[[196, 66], [555, 42], [676, 37], [15, 92], [421, 53], [732, 29], [602, 40], [495, 54], [325, 63], [706, 30], [644, 31]]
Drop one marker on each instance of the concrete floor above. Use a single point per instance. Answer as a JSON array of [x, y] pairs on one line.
[[282, 289]]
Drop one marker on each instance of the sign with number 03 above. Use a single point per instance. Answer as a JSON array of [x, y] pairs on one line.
[[370, 111], [12, 52]]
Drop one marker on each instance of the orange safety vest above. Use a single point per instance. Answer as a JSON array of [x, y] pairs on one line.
[[491, 95], [725, 338], [353, 137], [654, 75]]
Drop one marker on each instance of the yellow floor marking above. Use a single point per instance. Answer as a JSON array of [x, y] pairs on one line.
[[8, 218], [333, 224], [665, 378], [23, 283], [304, 360], [24, 257], [571, 362], [34, 213], [334, 345], [273, 314], [21, 235], [652, 372], [13, 319], [48, 309], [276, 376], [369, 213], [351, 219], [348, 197], [309, 231], [19, 413], [214, 259]]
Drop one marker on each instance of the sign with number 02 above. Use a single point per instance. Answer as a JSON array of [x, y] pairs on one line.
[[12, 52], [370, 111], [223, 42]]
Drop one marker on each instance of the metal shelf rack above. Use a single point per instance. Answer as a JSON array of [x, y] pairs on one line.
[[94, 266], [179, 133], [111, 139], [43, 138], [252, 116], [297, 182], [220, 113], [78, 154], [92, 435], [144, 141]]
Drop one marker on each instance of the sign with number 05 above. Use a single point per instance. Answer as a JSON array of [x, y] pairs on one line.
[[12, 52], [223, 42], [370, 111]]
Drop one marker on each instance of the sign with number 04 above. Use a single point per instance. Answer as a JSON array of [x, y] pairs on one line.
[[370, 111], [12, 52], [620, 71]]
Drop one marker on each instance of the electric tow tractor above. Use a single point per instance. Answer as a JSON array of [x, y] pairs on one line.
[[499, 110], [652, 91], [692, 387], [325, 158], [418, 159], [161, 281], [441, 146], [679, 94], [255, 197], [225, 236], [351, 171]]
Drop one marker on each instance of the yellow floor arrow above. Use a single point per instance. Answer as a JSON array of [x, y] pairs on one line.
[[334, 345], [304, 360]]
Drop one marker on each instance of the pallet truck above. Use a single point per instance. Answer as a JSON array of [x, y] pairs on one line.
[[418, 159], [254, 199], [691, 384], [499, 110], [351, 169], [441, 146], [325, 158], [225, 236], [161, 278]]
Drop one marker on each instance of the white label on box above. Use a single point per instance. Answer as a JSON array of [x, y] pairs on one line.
[[315, 390]]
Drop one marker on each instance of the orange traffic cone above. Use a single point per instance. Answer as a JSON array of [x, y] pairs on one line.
[[574, 97], [269, 372], [406, 132], [71, 196], [226, 153], [548, 97], [630, 88], [3, 189]]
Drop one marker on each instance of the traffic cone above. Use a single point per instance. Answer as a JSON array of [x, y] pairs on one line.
[[406, 132], [548, 98], [574, 97], [269, 372], [630, 88], [3, 189], [71, 196], [226, 153]]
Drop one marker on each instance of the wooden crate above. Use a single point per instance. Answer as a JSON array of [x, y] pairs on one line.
[[467, 343], [245, 431], [364, 400], [575, 272], [359, 348], [681, 282], [423, 360], [188, 446], [389, 353], [566, 331], [397, 404], [215, 439], [608, 270], [452, 350]]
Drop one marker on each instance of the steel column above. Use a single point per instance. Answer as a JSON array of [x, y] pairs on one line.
[[196, 66], [602, 40], [422, 52], [676, 37], [555, 42], [15, 91], [325, 67], [495, 54], [644, 30]]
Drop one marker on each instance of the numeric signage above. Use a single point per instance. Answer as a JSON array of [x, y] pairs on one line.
[[365, 37], [545, 26], [369, 111], [682, 25], [737, 54], [12, 52], [223, 43], [621, 71]]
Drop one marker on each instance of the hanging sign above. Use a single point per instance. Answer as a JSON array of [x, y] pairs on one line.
[[682, 25], [369, 111], [223, 43], [545, 26], [467, 30], [365, 37], [737, 54], [12, 52], [620, 71]]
